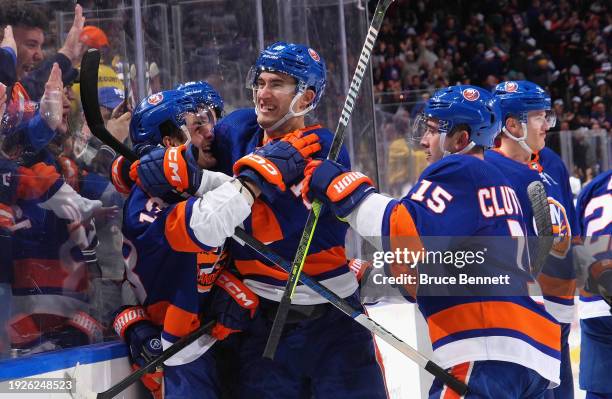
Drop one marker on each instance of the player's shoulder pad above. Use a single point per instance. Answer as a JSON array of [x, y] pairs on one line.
[[135, 204], [240, 122], [233, 137], [552, 163], [597, 186]]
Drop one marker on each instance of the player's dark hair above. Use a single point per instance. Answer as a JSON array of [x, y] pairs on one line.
[[22, 14], [167, 128], [463, 126]]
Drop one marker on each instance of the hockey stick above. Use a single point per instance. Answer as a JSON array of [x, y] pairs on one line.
[[91, 106], [313, 216], [89, 92], [541, 213], [357, 314], [165, 355]]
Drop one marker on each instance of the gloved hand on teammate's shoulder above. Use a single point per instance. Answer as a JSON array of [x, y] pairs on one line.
[[120, 175], [336, 186], [278, 164], [143, 337], [163, 170], [232, 304]]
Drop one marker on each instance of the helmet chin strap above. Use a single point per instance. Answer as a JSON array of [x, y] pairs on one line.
[[290, 114], [522, 141], [187, 134], [446, 153]]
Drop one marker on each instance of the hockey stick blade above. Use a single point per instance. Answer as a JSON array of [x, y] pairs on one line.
[[276, 331], [91, 106], [541, 213], [356, 314], [165, 355]]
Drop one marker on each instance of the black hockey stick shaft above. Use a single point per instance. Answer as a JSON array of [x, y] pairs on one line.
[[357, 314], [91, 106], [541, 213], [165, 355], [297, 265]]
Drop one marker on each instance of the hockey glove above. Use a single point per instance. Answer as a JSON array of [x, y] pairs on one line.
[[165, 169], [361, 268], [336, 186], [232, 304], [133, 325], [120, 175], [278, 164]]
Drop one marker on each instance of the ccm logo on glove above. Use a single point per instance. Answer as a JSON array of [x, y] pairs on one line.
[[245, 299], [175, 168]]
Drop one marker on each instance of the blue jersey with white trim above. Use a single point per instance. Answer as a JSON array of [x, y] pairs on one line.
[[280, 224], [594, 208], [557, 279], [462, 199], [170, 269]]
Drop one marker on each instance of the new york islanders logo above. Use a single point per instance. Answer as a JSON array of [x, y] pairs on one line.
[[471, 94], [511, 87], [561, 229], [155, 99], [314, 55]]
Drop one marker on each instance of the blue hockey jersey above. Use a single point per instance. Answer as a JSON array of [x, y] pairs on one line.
[[170, 270], [594, 208], [557, 279], [463, 203], [280, 224]]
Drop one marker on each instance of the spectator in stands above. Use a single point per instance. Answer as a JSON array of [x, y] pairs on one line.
[[29, 27]]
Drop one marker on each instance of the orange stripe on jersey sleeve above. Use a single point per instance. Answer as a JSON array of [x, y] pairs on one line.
[[180, 322], [264, 224], [176, 230], [255, 267], [494, 314], [403, 234], [553, 286], [315, 264], [157, 312], [35, 181], [325, 261]]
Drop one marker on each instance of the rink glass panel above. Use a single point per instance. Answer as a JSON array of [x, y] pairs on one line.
[[154, 47]]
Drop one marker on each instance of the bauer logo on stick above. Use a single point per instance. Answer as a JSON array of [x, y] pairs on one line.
[[511, 87], [155, 99], [471, 94], [314, 55]]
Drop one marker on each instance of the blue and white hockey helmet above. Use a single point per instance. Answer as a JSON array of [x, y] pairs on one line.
[[203, 94], [296, 60], [466, 105], [517, 97], [165, 106]]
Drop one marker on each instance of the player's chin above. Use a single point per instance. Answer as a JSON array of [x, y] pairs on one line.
[[266, 121], [206, 160]]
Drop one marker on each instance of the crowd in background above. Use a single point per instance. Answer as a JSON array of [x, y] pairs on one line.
[[564, 46]]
